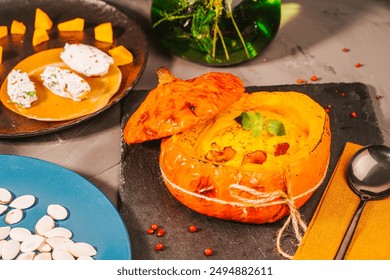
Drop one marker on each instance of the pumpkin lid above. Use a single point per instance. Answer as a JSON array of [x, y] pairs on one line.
[[176, 105]]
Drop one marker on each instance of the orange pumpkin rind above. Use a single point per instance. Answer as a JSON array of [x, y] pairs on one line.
[[176, 105], [251, 193]]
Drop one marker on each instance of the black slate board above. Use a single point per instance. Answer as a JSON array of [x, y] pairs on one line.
[[144, 199]]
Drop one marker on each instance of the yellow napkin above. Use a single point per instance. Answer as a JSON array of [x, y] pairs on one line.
[[338, 204]]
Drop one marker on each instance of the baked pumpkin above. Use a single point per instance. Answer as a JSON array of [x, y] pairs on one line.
[[249, 163], [176, 105]]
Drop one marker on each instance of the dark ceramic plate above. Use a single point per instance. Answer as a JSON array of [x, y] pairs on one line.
[[127, 32]]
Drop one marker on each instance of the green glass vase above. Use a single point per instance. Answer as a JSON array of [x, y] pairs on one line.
[[216, 32]]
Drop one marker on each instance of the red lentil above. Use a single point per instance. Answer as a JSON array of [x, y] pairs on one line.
[[208, 251], [343, 94], [154, 226], [346, 50], [300, 81], [159, 246], [353, 115], [150, 231], [314, 78], [193, 228], [358, 65], [160, 232]]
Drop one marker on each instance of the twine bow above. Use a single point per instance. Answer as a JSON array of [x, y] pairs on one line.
[[278, 197]]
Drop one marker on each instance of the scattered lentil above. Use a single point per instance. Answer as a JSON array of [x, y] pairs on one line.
[[358, 65], [159, 246], [160, 232], [193, 228], [208, 251]]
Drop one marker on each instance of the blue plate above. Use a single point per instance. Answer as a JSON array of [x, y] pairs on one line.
[[92, 216]]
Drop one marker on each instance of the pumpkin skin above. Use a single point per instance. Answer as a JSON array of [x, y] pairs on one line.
[[176, 105], [203, 185]]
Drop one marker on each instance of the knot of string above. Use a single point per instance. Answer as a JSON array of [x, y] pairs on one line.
[[263, 199]]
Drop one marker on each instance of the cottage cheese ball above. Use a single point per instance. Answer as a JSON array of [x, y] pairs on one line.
[[21, 89], [65, 83], [86, 59]]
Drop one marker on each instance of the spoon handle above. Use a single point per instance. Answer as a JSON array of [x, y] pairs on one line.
[[350, 231]]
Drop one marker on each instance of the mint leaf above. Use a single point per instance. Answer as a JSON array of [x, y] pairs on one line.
[[276, 127], [253, 121]]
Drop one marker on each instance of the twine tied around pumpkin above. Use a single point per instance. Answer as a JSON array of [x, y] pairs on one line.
[[263, 199], [278, 197]]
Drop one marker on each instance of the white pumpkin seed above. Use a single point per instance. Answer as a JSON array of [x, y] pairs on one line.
[[57, 212], [85, 258], [23, 202], [82, 249], [2, 242], [60, 242], [10, 249], [14, 216], [44, 248], [61, 254], [19, 233], [59, 232], [5, 196], [32, 243], [44, 225], [26, 256], [3, 208], [4, 232], [43, 257]]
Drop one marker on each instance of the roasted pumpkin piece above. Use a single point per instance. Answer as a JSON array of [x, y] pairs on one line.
[[176, 105], [221, 156], [3, 31], [277, 169], [18, 28], [39, 36], [121, 55], [256, 157], [104, 33], [73, 25], [42, 20]]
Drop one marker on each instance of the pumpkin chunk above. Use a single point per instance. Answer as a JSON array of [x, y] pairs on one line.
[[221, 156], [3, 31], [18, 28], [256, 157], [42, 20], [104, 33], [39, 36], [1, 54], [76, 24], [121, 55], [281, 149]]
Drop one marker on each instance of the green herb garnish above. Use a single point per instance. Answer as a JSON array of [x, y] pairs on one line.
[[31, 93], [276, 127], [253, 121]]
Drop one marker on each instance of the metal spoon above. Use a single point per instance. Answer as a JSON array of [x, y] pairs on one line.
[[368, 176]]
